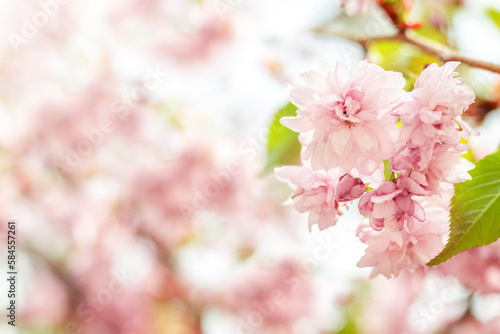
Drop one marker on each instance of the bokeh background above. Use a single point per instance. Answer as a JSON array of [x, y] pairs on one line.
[[134, 157]]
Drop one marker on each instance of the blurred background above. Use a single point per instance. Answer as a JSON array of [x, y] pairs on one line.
[[136, 161]]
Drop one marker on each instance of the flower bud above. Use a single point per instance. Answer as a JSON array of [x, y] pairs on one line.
[[349, 188]]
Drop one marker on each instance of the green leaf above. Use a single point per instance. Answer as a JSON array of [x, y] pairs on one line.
[[475, 210], [494, 15], [283, 147]]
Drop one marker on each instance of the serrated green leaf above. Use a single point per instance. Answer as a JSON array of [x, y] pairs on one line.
[[283, 147], [494, 15], [475, 210]]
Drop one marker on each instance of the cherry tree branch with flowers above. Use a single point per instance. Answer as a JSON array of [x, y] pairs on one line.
[[400, 153], [347, 124]]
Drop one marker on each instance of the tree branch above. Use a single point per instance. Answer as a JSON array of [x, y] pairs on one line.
[[445, 53], [431, 47]]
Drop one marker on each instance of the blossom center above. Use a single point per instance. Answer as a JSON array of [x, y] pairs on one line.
[[347, 110]]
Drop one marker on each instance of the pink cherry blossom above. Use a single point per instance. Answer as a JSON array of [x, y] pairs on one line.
[[432, 112], [314, 192], [389, 256], [392, 205], [349, 188], [344, 118], [435, 173], [320, 193]]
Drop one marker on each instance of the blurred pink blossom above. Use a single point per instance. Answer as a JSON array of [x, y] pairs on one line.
[[271, 299], [381, 315], [355, 7], [478, 269]]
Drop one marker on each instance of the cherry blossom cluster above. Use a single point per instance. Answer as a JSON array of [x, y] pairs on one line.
[[363, 136]]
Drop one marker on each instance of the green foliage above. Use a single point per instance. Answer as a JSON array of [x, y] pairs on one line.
[[353, 308], [494, 15], [475, 211], [400, 57], [283, 147], [389, 176], [350, 326], [433, 33]]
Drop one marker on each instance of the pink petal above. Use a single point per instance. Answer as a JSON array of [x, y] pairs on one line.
[[383, 210], [297, 124], [387, 197]]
